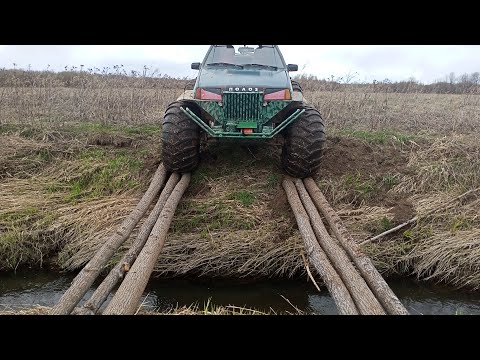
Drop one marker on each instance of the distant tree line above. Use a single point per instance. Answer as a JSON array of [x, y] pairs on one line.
[[117, 76]]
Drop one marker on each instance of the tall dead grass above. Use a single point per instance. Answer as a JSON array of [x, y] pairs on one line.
[[194, 309], [437, 114], [45, 97], [113, 97], [447, 163]]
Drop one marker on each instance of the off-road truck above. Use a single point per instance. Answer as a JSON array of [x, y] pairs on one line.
[[243, 93]]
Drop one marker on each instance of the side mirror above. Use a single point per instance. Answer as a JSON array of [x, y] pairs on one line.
[[196, 66], [292, 67]]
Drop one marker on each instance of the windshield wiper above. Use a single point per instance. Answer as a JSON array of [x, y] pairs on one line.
[[225, 64], [263, 66]]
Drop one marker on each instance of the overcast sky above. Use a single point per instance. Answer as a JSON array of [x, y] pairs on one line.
[[426, 63]]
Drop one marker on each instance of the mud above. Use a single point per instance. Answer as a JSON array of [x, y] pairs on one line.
[[343, 156], [402, 210]]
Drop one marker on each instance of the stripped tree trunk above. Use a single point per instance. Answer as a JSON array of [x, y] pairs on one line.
[[118, 272], [377, 284], [335, 285], [85, 278], [365, 300], [127, 298]]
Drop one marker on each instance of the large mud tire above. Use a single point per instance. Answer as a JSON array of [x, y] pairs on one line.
[[303, 145], [180, 138], [296, 86]]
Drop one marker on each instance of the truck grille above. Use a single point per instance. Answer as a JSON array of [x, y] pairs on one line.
[[245, 106]]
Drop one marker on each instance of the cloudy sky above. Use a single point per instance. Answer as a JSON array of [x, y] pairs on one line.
[[425, 63]]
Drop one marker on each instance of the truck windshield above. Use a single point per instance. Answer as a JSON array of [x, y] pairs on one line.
[[266, 57]]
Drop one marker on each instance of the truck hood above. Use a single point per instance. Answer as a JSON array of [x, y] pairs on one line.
[[227, 77]]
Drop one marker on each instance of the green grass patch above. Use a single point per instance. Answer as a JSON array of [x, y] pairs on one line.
[[273, 180], [363, 187], [408, 234], [25, 237], [460, 223], [246, 198], [385, 224], [20, 245], [378, 137], [27, 131], [116, 129], [93, 154], [119, 172], [147, 129]]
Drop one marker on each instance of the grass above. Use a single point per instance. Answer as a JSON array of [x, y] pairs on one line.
[[385, 224], [24, 215], [404, 113], [219, 214], [389, 181], [46, 199], [114, 175], [357, 184], [378, 137], [207, 308], [72, 167], [112, 129], [273, 180], [246, 198]]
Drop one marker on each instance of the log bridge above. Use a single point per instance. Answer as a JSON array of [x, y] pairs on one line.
[[356, 287]]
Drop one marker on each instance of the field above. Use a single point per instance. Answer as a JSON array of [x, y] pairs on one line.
[[78, 154]]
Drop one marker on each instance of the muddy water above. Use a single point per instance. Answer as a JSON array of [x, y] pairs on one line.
[[45, 288]]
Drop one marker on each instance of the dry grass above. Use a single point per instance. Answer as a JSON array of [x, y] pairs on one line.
[[207, 308], [44, 100], [448, 257], [441, 246], [21, 156], [40, 98], [219, 232], [195, 309], [63, 193], [426, 113], [34, 223], [34, 310], [75, 196], [447, 164], [447, 249], [231, 254]]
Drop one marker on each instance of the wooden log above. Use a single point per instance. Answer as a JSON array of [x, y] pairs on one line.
[[123, 266], [377, 284], [316, 256], [363, 297], [86, 277], [127, 298], [392, 230]]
